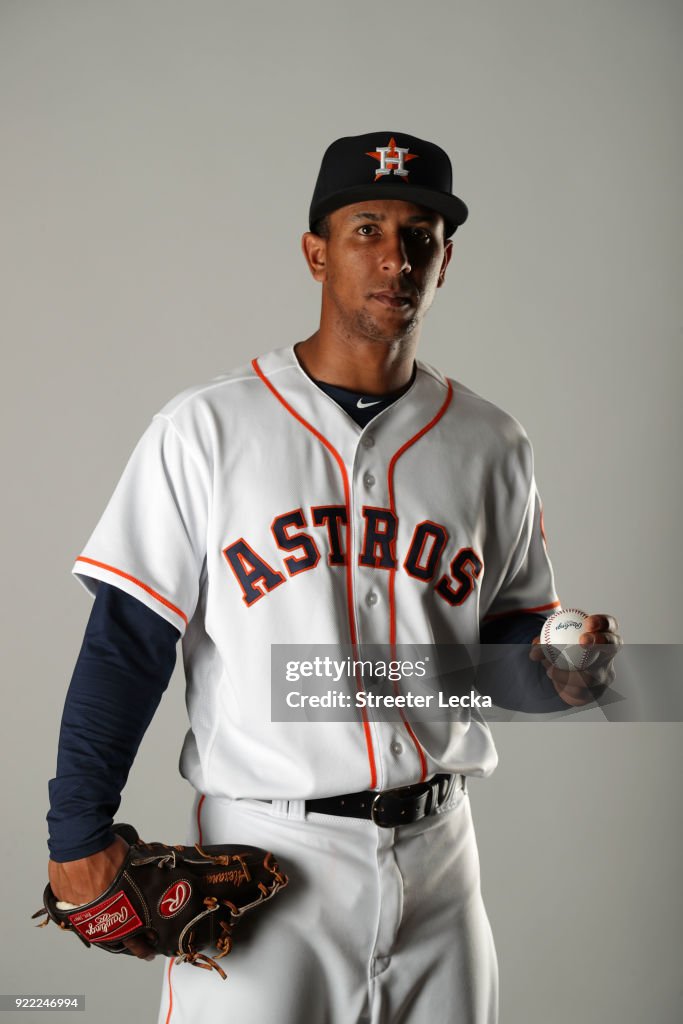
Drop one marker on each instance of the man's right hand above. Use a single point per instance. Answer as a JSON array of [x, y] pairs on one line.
[[81, 881]]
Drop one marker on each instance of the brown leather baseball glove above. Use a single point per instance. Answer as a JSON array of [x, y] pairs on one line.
[[189, 897]]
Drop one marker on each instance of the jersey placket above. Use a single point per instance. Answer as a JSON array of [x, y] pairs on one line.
[[403, 737], [373, 559], [370, 582]]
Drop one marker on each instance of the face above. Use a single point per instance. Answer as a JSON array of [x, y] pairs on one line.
[[380, 266]]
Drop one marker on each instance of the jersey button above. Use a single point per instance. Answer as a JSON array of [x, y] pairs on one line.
[[396, 747], [368, 441], [369, 480], [371, 599]]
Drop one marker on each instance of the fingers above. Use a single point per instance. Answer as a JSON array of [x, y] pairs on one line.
[[604, 647], [576, 696], [595, 675], [579, 688], [537, 651], [601, 623], [600, 630], [590, 639]]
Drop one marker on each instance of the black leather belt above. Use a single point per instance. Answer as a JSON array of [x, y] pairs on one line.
[[392, 807]]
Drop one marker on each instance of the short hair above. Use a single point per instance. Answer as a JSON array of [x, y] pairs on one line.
[[321, 227]]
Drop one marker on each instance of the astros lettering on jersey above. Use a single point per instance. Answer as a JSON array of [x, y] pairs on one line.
[[255, 511]]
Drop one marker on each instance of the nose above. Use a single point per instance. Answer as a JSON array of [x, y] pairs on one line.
[[394, 254]]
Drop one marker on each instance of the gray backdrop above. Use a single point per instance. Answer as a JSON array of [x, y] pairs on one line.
[[157, 163]]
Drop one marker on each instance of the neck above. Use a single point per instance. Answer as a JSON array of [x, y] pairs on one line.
[[370, 366]]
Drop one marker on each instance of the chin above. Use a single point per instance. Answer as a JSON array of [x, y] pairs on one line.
[[375, 331]]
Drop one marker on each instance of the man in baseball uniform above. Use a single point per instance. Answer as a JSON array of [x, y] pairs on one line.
[[337, 491]]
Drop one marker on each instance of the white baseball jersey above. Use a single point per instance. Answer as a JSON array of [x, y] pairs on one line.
[[255, 511]]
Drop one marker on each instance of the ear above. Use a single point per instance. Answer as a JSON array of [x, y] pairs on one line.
[[447, 253], [315, 250]]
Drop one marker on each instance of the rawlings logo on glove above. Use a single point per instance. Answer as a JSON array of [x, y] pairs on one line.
[[174, 899], [177, 893]]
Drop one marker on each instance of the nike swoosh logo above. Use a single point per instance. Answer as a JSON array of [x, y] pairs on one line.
[[360, 404]]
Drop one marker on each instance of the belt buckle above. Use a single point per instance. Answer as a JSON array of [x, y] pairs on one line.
[[434, 793], [373, 811], [416, 811]]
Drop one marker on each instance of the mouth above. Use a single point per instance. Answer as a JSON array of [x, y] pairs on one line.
[[394, 300]]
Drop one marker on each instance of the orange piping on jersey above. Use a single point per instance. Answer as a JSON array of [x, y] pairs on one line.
[[518, 611], [545, 539], [392, 574], [199, 819], [349, 574], [392, 500], [127, 576], [170, 991]]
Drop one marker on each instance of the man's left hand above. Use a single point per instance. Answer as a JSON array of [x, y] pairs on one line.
[[579, 688]]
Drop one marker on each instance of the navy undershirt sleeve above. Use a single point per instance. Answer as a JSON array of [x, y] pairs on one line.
[[516, 628], [122, 671], [523, 684]]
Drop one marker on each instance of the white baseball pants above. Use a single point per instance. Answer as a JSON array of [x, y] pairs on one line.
[[377, 925]]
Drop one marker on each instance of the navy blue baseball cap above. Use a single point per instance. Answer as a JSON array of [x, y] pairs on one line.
[[387, 165]]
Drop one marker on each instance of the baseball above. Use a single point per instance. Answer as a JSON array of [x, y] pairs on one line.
[[561, 636]]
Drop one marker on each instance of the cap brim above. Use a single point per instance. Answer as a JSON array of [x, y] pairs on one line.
[[452, 209]]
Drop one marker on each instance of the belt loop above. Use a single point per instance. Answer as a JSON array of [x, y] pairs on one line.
[[296, 810], [433, 794], [280, 808]]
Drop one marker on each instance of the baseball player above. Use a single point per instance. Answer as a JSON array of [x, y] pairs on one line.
[[334, 491]]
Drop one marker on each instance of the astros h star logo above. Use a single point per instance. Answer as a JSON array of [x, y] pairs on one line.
[[392, 159]]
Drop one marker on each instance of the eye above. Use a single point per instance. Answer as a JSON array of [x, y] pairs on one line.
[[367, 229], [421, 235]]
